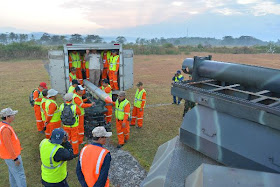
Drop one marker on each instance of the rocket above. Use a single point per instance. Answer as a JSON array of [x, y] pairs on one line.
[[99, 93]]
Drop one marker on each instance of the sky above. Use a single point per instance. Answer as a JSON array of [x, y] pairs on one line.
[[144, 18]]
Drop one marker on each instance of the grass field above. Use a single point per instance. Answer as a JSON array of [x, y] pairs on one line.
[[19, 78]]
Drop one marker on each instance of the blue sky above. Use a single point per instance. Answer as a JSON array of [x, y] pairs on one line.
[[144, 18]]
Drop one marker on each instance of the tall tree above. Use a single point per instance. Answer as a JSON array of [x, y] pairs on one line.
[[45, 38], [76, 38], [121, 39], [55, 40], [23, 38], [12, 36], [3, 38]]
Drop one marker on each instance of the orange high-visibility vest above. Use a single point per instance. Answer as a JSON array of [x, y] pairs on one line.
[[91, 160], [4, 154]]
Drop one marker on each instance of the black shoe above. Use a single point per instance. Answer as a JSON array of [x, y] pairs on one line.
[[42, 132], [131, 125], [119, 146], [125, 141], [178, 104], [138, 127], [174, 103]]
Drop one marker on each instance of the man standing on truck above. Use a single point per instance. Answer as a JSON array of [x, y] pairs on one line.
[[72, 74], [86, 64], [94, 68], [139, 105], [108, 90], [37, 97], [113, 69], [75, 61], [77, 99], [122, 113], [53, 113], [105, 55]]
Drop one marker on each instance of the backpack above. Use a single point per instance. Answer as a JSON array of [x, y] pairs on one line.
[[67, 115], [31, 96]]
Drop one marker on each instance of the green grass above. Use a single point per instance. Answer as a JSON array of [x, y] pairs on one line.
[[19, 78]]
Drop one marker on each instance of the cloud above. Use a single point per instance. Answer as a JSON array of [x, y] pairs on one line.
[[266, 8], [177, 3], [227, 11], [245, 2]]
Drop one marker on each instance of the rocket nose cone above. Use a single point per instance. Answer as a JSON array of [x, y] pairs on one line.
[[108, 99]]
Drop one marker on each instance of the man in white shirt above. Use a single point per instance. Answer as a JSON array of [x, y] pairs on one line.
[[94, 68]]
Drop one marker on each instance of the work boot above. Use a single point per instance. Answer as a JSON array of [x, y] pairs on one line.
[[132, 125], [125, 141], [138, 127], [119, 146], [174, 103], [42, 132]]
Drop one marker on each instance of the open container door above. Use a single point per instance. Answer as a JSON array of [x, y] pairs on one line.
[[57, 71], [127, 69]]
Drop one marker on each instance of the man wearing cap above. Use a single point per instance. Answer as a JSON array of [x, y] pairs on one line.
[[43, 105], [54, 154], [108, 90], [72, 130], [37, 97], [122, 113], [94, 162], [177, 78], [113, 69], [94, 68], [53, 113], [71, 89], [139, 105], [77, 100], [10, 148]]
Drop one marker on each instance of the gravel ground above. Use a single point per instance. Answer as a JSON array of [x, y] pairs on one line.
[[125, 169]]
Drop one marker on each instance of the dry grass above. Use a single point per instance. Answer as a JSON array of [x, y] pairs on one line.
[[19, 78]]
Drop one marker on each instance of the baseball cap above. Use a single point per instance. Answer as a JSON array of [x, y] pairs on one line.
[[121, 93], [57, 135], [8, 112], [100, 132], [79, 87], [106, 81], [44, 85], [179, 71], [68, 96], [74, 81], [139, 84], [52, 92], [114, 51]]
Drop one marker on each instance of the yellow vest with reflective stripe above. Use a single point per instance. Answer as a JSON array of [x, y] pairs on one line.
[[73, 77], [56, 115], [110, 94], [40, 96], [113, 63], [71, 89], [52, 172], [177, 80], [86, 62], [82, 109], [73, 108], [138, 98], [42, 111], [119, 111], [76, 63]]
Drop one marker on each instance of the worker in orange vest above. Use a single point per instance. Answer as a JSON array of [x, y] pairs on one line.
[[53, 120], [43, 105], [10, 148], [37, 97], [77, 99], [76, 62], [94, 162], [122, 113], [107, 89], [114, 69], [105, 55], [85, 65]]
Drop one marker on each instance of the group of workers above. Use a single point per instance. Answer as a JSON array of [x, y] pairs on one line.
[[93, 65], [62, 144]]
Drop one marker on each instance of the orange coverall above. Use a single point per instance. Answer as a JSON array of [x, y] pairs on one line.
[[123, 132], [113, 76], [78, 70], [105, 72], [81, 104], [51, 125], [136, 113], [109, 106], [37, 110]]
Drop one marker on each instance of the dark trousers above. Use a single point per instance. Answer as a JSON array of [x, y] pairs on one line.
[[175, 101], [60, 184]]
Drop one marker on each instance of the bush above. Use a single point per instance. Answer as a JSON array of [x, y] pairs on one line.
[[22, 51]]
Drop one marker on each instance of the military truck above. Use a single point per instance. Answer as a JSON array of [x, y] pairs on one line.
[[59, 65]]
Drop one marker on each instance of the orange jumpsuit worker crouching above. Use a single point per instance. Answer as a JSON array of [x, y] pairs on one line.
[[107, 89], [139, 104], [77, 100], [37, 97], [122, 113], [113, 70], [53, 120], [72, 130]]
